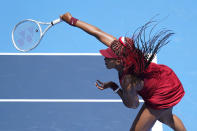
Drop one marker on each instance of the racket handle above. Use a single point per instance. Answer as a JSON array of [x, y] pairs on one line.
[[56, 21]]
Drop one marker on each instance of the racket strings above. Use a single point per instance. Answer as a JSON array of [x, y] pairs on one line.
[[26, 35]]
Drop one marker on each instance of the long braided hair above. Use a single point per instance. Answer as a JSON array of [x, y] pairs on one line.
[[147, 44]]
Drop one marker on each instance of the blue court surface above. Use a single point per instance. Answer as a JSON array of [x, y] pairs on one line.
[[57, 93]]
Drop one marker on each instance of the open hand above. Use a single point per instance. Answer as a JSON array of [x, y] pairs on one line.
[[104, 85]]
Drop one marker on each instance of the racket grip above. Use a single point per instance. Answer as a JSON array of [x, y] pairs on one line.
[[56, 21]]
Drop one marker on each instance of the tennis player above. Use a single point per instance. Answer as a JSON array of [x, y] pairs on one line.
[[157, 84]]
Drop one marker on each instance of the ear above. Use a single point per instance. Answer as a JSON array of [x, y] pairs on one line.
[[118, 62]]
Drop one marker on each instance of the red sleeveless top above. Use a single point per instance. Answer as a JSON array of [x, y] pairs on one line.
[[162, 88]]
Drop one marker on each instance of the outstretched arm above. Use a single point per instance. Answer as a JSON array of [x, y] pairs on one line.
[[105, 38]]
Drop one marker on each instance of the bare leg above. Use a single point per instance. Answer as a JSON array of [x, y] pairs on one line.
[[177, 124], [172, 121], [146, 119]]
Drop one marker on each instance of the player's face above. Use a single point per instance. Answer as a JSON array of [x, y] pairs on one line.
[[110, 62]]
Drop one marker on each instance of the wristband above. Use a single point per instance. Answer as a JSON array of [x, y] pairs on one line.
[[73, 21], [115, 91]]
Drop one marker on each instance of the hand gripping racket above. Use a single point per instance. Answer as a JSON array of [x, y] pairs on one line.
[[28, 33]]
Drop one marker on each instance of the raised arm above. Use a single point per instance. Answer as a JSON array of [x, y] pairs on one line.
[[105, 38]]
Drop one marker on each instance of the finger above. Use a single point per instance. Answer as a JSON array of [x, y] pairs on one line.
[[97, 84], [100, 82], [101, 88]]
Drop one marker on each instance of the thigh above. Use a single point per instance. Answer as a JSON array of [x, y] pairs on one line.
[[145, 119], [167, 117]]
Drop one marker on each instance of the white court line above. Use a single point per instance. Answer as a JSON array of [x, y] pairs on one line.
[[156, 127], [63, 100], [59, 54]]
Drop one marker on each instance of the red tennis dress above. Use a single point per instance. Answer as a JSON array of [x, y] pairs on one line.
[[162, 88]]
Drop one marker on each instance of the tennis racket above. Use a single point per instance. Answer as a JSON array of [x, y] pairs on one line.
[[28, 33]]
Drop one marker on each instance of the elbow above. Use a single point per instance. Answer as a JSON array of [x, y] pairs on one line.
[[132, 105]]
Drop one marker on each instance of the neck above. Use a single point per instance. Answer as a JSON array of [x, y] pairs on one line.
[[120, 70]]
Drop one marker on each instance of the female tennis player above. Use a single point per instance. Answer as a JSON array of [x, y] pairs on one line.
[[157, 84]]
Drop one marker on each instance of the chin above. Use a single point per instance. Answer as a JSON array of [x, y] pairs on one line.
[[108, 67]]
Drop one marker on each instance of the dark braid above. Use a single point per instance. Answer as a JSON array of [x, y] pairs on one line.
[[149, 48], [140, 51]]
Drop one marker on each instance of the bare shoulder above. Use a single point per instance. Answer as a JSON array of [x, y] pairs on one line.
[[127, 78]]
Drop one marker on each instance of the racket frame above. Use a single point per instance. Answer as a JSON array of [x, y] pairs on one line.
[[50, 24]]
